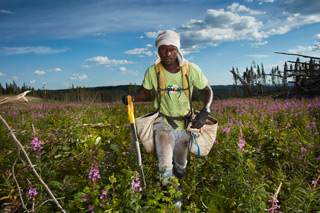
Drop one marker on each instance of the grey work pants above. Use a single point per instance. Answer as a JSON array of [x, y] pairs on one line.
[[172, 148]]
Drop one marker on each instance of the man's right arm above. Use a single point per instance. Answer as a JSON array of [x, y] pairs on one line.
[[142, 94]]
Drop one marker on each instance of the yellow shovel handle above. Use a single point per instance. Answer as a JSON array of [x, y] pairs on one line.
[[130, 110]]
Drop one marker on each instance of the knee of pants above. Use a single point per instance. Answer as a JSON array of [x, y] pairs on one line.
[[164, 149]]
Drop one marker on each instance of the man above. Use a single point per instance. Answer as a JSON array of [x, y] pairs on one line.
[[170, 135]]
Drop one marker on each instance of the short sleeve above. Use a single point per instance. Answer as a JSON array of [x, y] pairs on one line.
[[197, 78], [148, 79]]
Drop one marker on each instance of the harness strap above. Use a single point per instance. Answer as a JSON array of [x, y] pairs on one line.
[[162, 89], [171, 119]]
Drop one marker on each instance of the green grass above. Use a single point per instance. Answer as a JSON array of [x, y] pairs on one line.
[[282, 145]]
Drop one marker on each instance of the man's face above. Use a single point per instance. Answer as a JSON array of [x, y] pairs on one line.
[[168, 54]]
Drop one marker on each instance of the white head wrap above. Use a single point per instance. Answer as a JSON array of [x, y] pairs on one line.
[[170, 37]]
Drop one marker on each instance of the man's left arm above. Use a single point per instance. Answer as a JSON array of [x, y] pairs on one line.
[[201, 118], [208, 97]]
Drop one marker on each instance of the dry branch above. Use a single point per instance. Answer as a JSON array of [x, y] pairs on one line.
[[20, 96], [304, 56]]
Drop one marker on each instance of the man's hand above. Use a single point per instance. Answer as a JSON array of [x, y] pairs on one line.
[[200, 119], [125, 98]]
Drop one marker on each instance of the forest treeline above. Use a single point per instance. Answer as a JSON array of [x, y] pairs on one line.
[[254, 81]]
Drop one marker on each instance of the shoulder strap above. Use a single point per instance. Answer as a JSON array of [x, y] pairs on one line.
[[185, 80], [162, 80]]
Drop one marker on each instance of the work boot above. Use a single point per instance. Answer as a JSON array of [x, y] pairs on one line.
[[178, 171], [178, 205], [176, 200]]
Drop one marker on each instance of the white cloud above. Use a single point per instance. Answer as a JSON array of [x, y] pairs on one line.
[[139, 51], [308, 49], [293, 21], [258, 56], [86, 66], [236, 8], [32, 81], [257, 44], [5, 11], [297, 19], [1, 74], [124, 71], [15, 78], [56, 70], [78, 77], [66, 84], [220, 26], [39, 72], [149, 45], [317, 39], [309, 7], [279, 31], [261, 1], [31, 50], [152, 34], [100, 60], [304, 49]]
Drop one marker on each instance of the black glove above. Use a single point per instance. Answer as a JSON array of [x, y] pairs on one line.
[[200, 119], [125, 98]]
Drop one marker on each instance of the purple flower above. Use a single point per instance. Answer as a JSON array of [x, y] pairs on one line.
[[91, 209], [226, 130], [32, 193], [104, 192], [241, 144], [36, 144], [85, 199], [314, 182], [303, 149], [94, 174], [135, 185]]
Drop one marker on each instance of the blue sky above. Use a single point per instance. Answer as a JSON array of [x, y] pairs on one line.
[[56, 44]]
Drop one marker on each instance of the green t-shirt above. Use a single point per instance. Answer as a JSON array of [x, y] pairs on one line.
[[175, 103]]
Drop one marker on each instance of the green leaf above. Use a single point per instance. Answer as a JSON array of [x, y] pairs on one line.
[[114, 147]]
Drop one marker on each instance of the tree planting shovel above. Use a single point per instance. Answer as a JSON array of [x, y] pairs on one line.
[[135, 136]]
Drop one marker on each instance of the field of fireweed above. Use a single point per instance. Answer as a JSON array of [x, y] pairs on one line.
[[266, 158]]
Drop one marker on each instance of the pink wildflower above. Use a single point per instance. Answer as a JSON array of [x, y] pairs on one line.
[[32, 193], [303, 149], [241, 144], [136, 185], [94, 174], [226, 130]]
